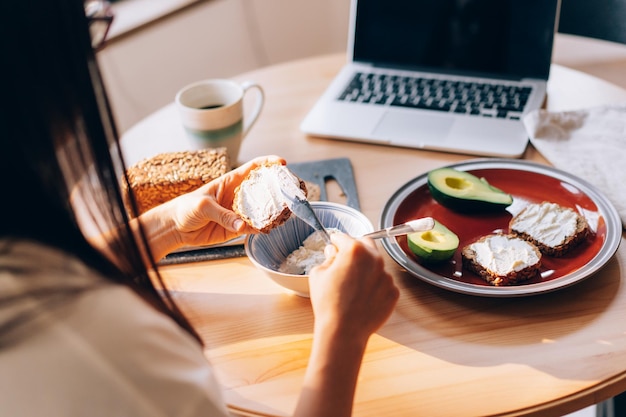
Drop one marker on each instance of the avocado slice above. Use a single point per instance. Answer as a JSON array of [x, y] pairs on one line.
[[434, 245], [463, 192]]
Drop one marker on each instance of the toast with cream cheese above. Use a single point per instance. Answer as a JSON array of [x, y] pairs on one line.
[[502, 259], [259, 199], [554, 229]]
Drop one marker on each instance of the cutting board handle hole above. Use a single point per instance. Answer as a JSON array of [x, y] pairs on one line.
[[334, 192]]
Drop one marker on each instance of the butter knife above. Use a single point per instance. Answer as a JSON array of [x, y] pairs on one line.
[[419, 225], [303, 210]]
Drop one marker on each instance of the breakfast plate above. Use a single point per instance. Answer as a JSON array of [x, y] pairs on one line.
[[527, 182]]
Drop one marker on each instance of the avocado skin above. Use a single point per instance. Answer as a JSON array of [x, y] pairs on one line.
[[487, 199]]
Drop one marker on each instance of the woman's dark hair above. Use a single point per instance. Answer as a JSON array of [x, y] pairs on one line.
[[59, 143]]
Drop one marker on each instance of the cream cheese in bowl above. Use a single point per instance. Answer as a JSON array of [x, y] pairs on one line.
[[268, 251]]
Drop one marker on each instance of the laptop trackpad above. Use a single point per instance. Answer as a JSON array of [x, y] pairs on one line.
[[404, 128]]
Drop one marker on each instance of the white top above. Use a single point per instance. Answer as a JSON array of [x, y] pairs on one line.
[[104, 352]]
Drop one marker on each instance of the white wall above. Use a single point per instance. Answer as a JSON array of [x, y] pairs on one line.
[[603, 59], [216, 38], [223, 38]]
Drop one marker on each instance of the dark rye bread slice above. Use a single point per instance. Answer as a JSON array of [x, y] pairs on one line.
[[512, 260], [554, 229], [259, 200]]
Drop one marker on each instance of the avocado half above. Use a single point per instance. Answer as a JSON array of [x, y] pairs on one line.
[[463, 192], [435, 245]]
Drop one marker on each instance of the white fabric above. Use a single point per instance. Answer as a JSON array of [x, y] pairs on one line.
[[590, 144], [102, 353]]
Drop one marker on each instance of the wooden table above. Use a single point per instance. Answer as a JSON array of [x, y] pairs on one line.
[[441, 353]]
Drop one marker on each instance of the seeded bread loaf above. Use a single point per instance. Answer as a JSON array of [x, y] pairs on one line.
[[502, 259], [313, 191], [158, 179], [259, 199], [554, 229]]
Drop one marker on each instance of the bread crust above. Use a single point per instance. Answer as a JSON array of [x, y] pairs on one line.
[[580, 234], [272, 219], [470, 262], [156, 180]]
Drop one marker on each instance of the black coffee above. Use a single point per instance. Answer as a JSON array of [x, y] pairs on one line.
[[210, 106]]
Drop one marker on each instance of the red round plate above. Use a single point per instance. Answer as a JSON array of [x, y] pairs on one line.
[[528, 183]]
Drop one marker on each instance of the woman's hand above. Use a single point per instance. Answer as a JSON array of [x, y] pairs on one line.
[[205, 216], [352, 296], [201, 217], [351, 290]]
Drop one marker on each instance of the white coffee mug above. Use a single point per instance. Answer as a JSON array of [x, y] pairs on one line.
[[212, 113]]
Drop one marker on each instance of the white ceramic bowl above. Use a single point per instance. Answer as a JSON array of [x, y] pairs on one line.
[[268, 251]]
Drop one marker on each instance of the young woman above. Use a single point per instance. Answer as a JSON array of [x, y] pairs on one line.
[[83, 331]]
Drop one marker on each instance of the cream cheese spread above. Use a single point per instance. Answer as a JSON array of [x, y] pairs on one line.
[[503, 255], [263, 197], [307, 256], [547, 223]]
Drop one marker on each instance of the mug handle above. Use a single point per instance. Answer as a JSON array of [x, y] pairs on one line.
[[249, 121]]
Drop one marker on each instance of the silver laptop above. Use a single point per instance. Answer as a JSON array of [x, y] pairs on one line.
[[447, 75]]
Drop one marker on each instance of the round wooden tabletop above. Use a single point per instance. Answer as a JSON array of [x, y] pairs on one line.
[[441, 353]]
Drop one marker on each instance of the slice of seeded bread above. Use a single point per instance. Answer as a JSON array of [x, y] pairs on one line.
[[502, 259], [554, 229], [259, 199]]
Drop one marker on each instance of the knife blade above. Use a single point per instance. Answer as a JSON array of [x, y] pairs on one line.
[[303, 210]]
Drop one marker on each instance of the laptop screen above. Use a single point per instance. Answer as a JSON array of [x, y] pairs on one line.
[[495, 38]]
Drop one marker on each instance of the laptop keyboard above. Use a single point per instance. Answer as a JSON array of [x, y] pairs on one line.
[[472, 98]]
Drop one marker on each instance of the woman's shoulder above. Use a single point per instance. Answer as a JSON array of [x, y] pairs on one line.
[[31, 266], [104, 341]]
